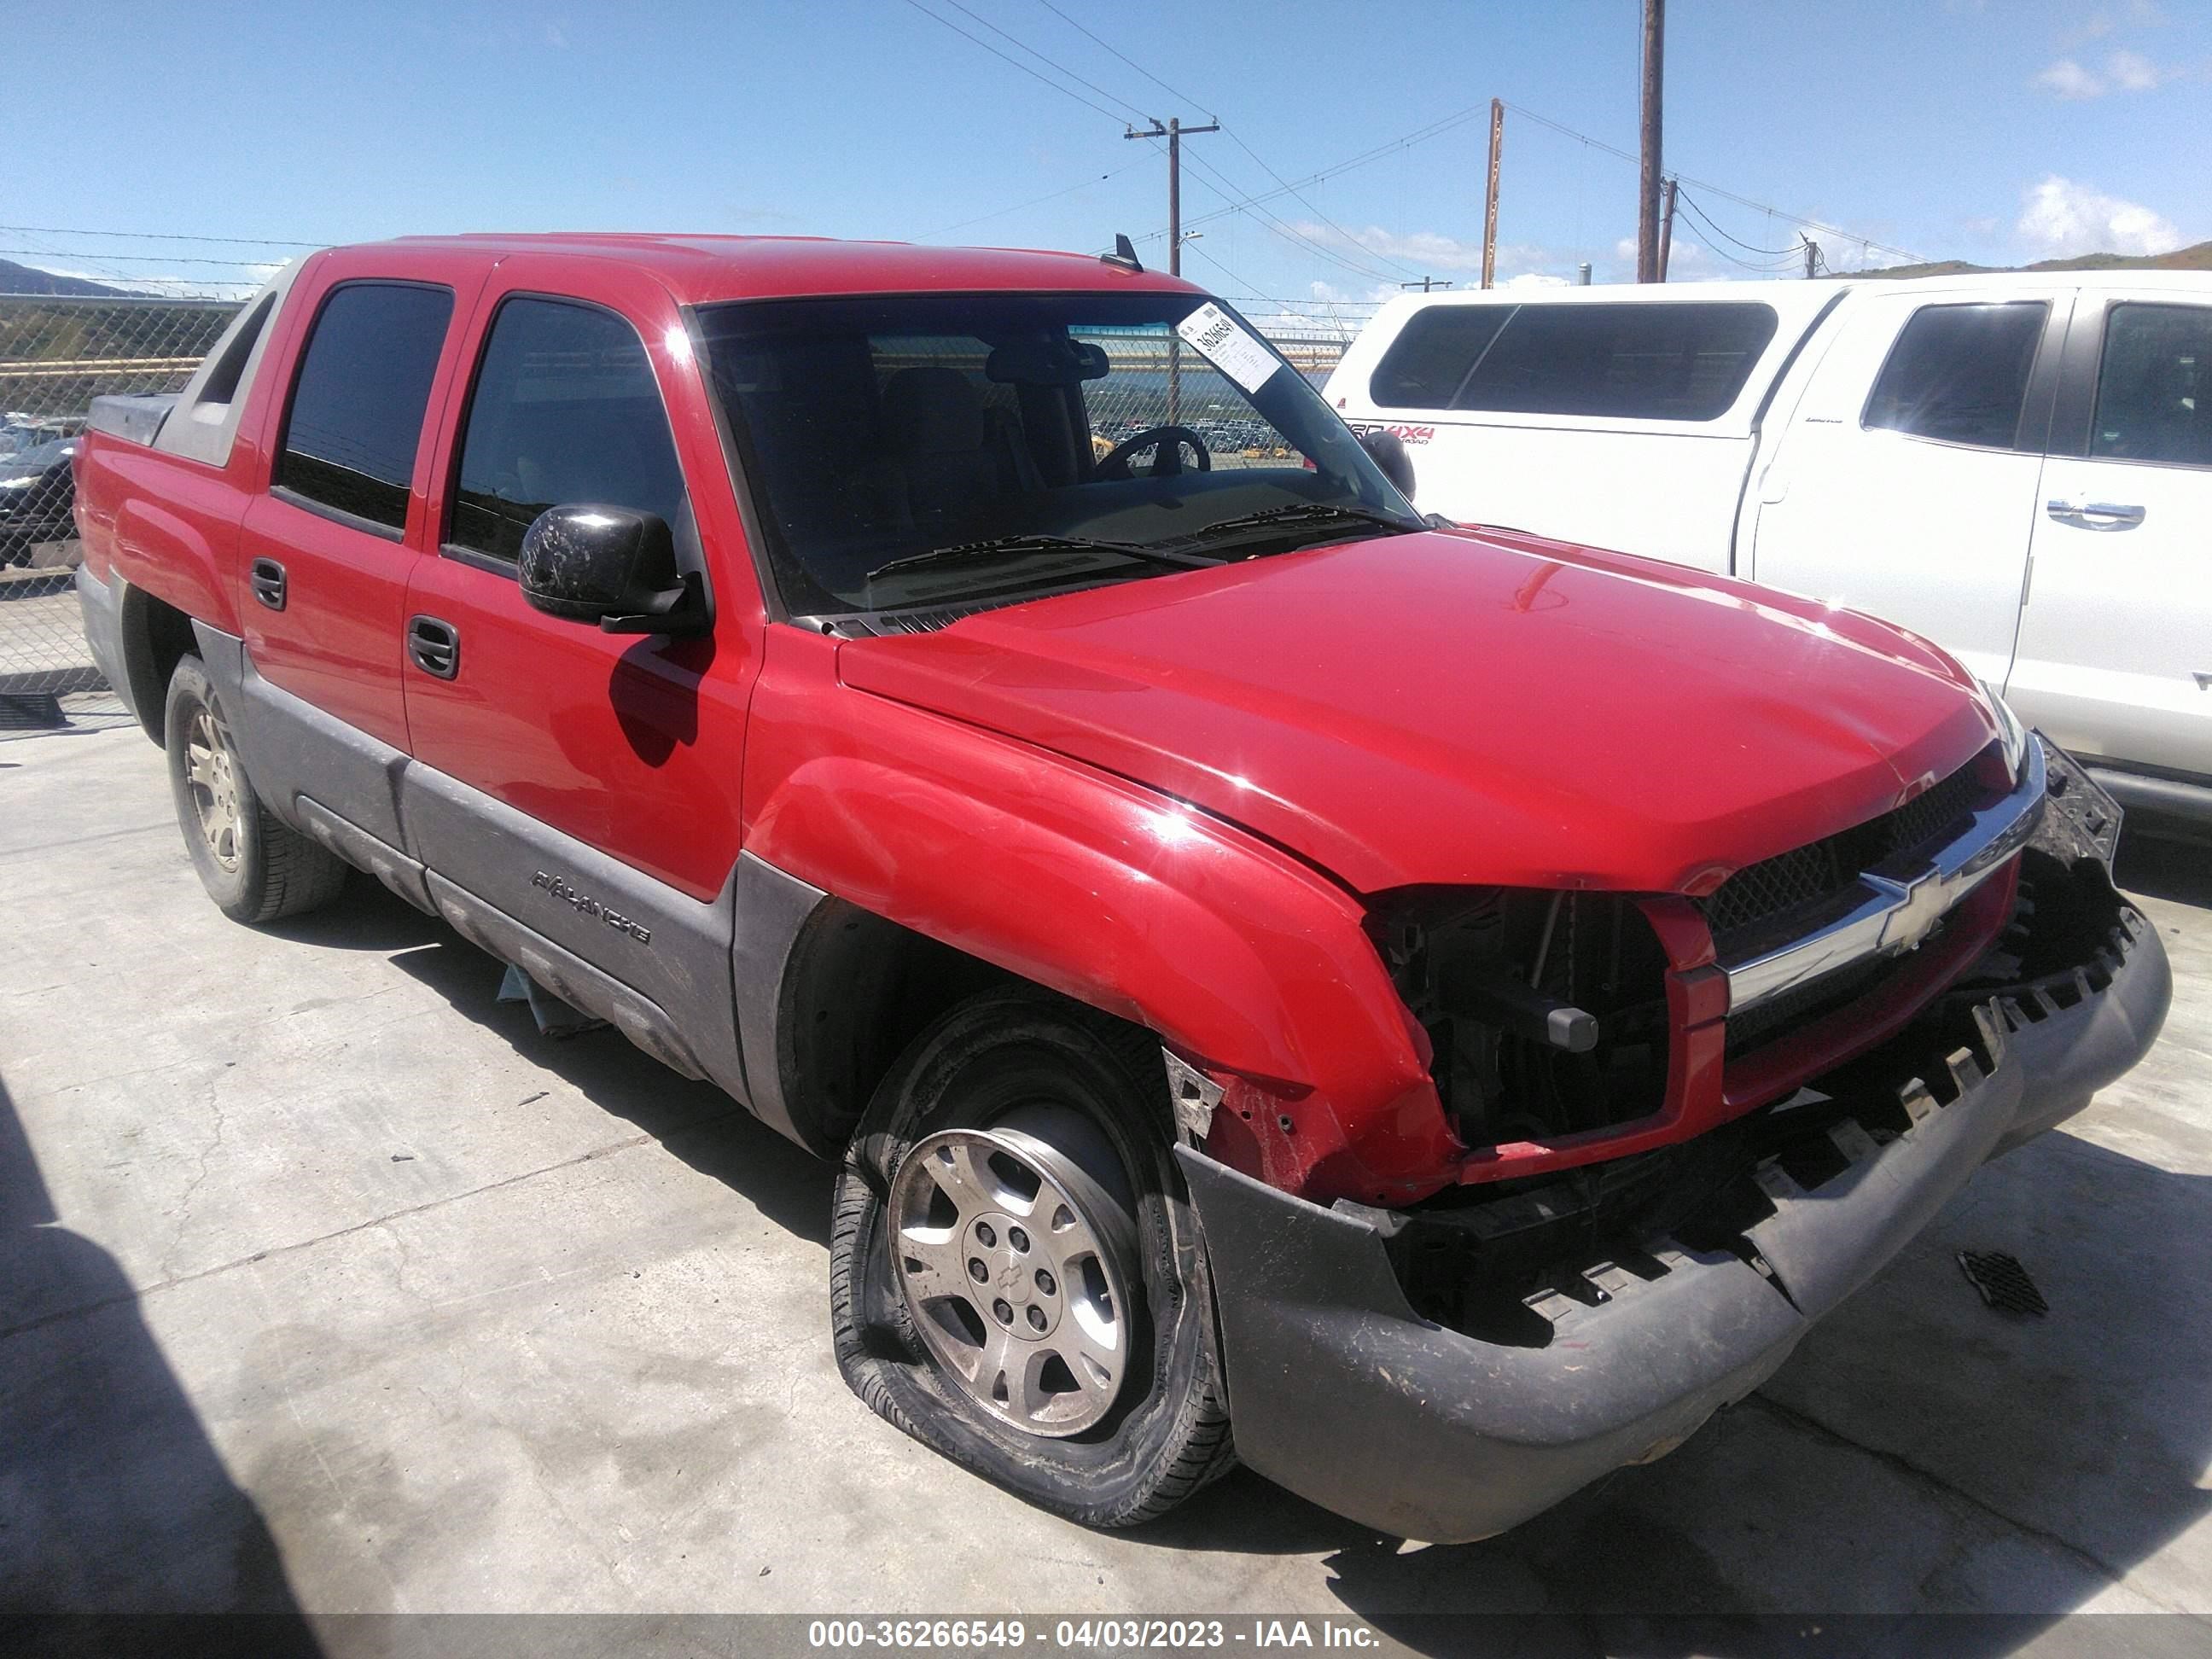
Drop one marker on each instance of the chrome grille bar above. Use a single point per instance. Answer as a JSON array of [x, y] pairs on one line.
[[1892, 908]]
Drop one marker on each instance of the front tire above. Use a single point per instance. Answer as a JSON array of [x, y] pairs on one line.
[[254, 866], [1031, 1137]]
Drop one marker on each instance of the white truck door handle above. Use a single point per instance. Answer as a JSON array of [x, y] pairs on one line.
[[2093, 515]]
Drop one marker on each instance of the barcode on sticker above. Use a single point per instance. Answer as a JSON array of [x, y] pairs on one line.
[[1216, 336]]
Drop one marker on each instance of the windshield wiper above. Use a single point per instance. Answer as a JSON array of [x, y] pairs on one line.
[[1001, 546], [1302, 513]]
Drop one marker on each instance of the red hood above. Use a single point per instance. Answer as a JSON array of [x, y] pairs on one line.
[[1455, 708]]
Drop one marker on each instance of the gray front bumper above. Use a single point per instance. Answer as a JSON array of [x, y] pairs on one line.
[[1343, 1394]]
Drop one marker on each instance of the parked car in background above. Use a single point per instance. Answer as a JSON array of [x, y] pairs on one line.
[[2019, 467], [1464, 1004], [36, 497]]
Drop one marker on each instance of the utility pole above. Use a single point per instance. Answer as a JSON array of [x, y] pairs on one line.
[[1667, 231], [1647, 204], [1174, 132], [1812, 256], [1425, 284], [1490, 195]]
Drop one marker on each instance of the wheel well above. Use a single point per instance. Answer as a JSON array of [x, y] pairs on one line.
[[155, 635], [857, 989]]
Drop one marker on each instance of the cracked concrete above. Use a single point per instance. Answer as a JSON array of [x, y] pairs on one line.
[[327, 1284]]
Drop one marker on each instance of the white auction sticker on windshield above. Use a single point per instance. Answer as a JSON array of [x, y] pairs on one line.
[[1217, 336]]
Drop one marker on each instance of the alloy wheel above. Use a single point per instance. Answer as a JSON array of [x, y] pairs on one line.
[[1014, 1262], [211, 772]]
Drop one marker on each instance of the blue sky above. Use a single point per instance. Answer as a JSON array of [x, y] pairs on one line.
[[1991, 130]]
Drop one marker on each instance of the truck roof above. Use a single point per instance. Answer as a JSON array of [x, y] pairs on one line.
[[1793, 296], [701, 269]]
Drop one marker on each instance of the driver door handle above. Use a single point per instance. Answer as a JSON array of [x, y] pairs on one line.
[[2093, 515], [436, 646]]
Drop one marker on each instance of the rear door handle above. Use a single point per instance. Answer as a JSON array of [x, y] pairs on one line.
[[436, 646], [2094, 515], [267, 578]]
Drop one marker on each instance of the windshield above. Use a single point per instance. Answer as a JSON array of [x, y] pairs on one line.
[[934, 450]]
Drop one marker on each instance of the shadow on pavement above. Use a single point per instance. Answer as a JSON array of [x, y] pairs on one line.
[[112, 1500], [695, 1122]]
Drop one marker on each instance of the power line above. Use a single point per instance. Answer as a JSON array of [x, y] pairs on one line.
[[1688, 201], [160, 236], [1690, 229], [1035, 201], [1034, 74], [1223, 187], [1180, 98], [1041, 57], [1419, 135], [136, 259], [1316, 211], [1238, 139], [1717, 190]]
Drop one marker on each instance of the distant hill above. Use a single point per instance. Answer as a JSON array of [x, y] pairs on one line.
[[22, 279], [2198, 258]]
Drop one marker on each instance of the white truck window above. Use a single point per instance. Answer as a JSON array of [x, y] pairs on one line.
[[1433, 354], [1636, 361], [2154, 392], [1959, 373]]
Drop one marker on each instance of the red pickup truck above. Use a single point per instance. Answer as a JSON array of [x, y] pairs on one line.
[[1463, 1003]]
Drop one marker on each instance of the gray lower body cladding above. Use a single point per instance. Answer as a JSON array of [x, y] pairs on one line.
[[1348, 1396], [100, 605]]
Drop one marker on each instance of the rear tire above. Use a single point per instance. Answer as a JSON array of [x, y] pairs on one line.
[[254, 866], [1079, 1100]]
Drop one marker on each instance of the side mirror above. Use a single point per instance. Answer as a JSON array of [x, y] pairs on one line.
[[1388, 450], [611, 566]]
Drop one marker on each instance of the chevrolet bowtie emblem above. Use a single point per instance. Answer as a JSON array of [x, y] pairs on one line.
[[1920, 905]]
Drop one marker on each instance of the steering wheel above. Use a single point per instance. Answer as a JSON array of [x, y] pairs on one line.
[[1170, 442]]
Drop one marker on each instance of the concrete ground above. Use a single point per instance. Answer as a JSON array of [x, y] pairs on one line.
[[327, 1284]]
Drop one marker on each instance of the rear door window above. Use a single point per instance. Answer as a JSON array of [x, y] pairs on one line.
[[1959, 373], [566, 412], [357, 403], [2154, 391]]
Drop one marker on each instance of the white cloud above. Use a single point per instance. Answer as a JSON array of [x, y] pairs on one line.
[[2061, 218], [2123, 71], [2133, 72], [2069, 80], [1425, 249], [1432, 253]]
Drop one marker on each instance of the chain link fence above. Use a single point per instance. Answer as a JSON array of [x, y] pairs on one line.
[[57, 352], [1159, 382]]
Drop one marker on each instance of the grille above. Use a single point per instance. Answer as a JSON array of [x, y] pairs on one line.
[[1759, 892], [1773, 885], [1928, 817]]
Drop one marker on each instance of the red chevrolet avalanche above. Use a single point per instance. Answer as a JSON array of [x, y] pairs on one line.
[[1454, 1005]]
